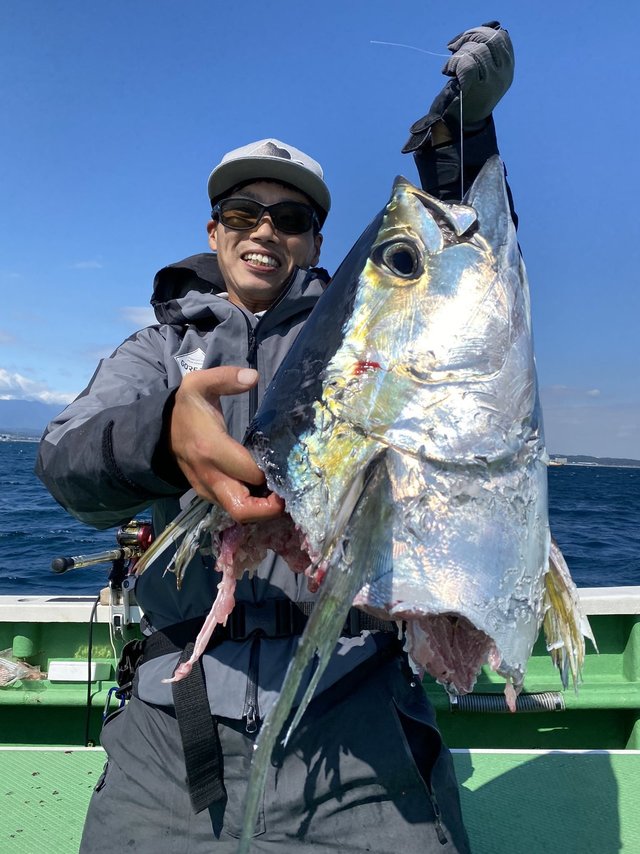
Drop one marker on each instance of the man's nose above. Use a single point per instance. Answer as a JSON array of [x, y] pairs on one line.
[[264, 228]]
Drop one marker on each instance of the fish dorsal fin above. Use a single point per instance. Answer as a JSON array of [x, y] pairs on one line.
[[488, 196]]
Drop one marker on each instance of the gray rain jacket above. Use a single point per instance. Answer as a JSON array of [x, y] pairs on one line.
[[102, 457]]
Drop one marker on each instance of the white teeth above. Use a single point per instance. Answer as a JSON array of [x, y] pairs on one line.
[[259, 258]]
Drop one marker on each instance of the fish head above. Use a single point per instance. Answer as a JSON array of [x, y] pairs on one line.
[[436, 356]]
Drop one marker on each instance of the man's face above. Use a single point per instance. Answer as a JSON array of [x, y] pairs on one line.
[[257, 262]]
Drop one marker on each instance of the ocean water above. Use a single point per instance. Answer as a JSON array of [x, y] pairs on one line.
[[594, 513]]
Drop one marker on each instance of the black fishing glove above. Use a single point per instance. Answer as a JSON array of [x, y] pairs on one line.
[[482, 68]]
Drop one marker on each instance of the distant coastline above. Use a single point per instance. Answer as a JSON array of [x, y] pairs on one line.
[[26, 436], [583, 460]]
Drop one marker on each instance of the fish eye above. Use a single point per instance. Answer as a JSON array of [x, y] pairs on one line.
[[400, 257]]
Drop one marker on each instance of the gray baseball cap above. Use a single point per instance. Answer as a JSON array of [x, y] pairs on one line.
[[271, 160]]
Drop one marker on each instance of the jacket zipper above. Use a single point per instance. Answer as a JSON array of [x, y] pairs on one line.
[[442, 837], [251, 710], [252, 361], [252, 346]]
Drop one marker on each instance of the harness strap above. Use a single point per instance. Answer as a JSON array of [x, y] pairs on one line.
[[274, 618], [176, 637], [200, 739]]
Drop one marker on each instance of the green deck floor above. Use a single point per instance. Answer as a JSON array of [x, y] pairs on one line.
[[533, 802]]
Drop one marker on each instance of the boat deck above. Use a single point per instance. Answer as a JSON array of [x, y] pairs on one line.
[[526, 800]]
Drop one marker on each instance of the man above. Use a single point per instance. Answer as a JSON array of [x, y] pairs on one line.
[[366, 769]]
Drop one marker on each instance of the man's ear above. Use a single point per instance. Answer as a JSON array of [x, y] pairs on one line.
[[317, 241], [212, 227]]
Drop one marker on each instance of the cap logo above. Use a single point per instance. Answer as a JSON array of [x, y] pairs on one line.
[[270, 160], [271, 150]]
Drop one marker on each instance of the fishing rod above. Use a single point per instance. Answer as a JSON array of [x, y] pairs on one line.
[[133, 539]]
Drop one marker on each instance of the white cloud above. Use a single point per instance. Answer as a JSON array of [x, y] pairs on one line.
[[568, 394], [138, 316], [13, 385]]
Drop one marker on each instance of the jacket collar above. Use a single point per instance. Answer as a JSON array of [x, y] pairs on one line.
[[182, 292]]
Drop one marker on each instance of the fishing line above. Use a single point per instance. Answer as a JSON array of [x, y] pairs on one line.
[[411, 47], [116, 657], [87, 720], [430, 52], [445, 56]]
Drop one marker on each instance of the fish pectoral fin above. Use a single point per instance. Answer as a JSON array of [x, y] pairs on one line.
[[565, 626], [351, 497], [344, 578], [351, 567]]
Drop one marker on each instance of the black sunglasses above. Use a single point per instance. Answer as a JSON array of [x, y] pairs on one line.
[[288, 217]]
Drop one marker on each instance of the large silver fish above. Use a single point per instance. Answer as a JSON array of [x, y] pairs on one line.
[[404, 433]]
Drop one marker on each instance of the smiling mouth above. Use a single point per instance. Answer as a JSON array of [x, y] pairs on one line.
[[258, 259]]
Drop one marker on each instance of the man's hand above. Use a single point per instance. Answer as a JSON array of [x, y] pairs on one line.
[[482, 69], [216, 466], [483, 64]]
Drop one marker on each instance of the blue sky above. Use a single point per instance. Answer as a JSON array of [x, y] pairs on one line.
[[114, 114]]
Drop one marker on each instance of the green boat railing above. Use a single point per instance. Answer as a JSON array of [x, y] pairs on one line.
[[603, 714]]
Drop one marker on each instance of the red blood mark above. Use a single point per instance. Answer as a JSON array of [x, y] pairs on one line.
[[363, 367]]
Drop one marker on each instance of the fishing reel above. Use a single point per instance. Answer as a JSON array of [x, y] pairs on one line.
[[133, 540], [136, 534]]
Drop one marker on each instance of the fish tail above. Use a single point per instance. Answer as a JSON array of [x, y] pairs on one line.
[[565, 626], [322, 637]]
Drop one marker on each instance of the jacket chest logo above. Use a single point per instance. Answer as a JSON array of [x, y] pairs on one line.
[[192, 361]]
